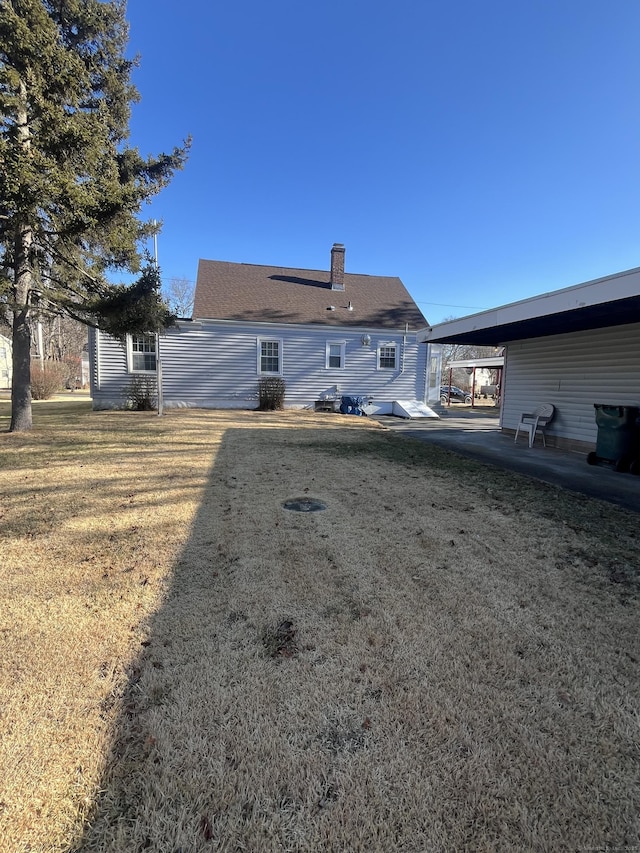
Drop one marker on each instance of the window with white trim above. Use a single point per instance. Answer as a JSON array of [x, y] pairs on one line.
[[335, 357], [270, 356], [141, 352], [387, 357]]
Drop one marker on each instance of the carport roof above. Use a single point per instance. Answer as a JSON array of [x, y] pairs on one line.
[[489, 363], [610, 301]]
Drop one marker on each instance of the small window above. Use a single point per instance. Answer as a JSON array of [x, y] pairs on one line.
[[335, 355], [388, 357], [269, 356], [142, 353]]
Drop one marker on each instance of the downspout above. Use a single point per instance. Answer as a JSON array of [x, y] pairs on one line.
[[159, 376], [98, 336], [404, 348]]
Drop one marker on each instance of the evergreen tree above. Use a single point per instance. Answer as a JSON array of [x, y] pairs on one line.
[[180, 295], [70, 186]]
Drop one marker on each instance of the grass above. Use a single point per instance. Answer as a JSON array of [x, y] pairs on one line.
[[446, 658]]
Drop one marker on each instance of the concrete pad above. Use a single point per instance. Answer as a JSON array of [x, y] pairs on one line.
[[476, 433]]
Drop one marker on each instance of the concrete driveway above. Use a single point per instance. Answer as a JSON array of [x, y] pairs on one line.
[[475, 432]]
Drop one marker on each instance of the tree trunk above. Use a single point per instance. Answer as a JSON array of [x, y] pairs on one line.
[[21, 418]]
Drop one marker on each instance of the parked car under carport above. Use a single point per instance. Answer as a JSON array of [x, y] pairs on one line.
[[453, 394]]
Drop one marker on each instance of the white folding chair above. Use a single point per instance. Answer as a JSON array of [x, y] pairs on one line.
[[536, 422]]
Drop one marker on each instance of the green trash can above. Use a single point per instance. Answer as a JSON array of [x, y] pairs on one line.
[[617, 442]]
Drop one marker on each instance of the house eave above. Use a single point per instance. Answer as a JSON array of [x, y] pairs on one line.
[[610, 301], [310, 327]]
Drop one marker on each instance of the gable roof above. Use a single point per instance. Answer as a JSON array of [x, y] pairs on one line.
[[252, 293]]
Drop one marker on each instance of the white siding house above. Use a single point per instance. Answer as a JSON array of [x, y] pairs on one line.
[[5, 363], [573, 348], [327, 334]]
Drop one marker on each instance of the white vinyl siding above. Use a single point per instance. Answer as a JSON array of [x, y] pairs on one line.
[[141, 353], [214, 364], [335, 355], [270, 356], [573, 371]]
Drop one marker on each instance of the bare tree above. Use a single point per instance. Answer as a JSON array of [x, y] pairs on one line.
[[461, 352], [57, 345], [62, 338], [180, 294]]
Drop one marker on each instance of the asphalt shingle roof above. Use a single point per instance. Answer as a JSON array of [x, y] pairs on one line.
[[249, 292]]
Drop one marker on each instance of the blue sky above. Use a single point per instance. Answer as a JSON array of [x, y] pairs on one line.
[[483, 150]]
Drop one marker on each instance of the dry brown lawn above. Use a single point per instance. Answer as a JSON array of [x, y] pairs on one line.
[[444, 659]]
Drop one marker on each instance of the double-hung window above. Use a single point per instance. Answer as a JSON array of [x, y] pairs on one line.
[[387, 357], [335, 354], [270, 356], [142, 353]]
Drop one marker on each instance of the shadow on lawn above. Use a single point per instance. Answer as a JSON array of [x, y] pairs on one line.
[[180, 763], [70, 405]]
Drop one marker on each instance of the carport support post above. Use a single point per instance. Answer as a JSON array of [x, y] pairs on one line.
[[449, 387], [498, 396]]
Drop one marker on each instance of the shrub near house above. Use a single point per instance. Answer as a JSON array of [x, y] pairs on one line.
[[47, 378]]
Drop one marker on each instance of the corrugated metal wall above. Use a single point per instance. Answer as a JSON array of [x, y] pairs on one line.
[[215, 365], [573, 372]]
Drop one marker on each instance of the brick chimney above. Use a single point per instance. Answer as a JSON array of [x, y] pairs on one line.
[[337, 267]]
